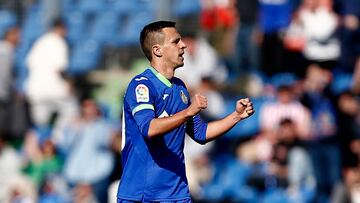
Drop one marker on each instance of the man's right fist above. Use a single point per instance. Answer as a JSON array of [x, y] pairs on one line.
[[198, 103]]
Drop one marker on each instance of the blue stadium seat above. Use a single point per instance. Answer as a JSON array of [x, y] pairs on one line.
[[183, 8], [21, 70], [229, 181], [105, 28], [236, 182], [84, 57], [51, 198], [7, 19], [280, 79], [89, 7], [129, 35], [341, 82], [68, 6], [34, 25], [77, 27], [147, 6], [276, 196], [214, 190], [126, 8]]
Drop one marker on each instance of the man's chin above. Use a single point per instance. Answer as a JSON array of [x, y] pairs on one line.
[[179, 65]]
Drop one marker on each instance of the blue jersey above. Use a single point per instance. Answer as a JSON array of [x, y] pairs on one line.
[[154, 169]]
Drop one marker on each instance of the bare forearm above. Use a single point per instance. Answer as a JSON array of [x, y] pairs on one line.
[[217, 128], [159, 126]]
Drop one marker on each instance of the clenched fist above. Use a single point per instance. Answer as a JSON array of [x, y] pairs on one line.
[[198, 103], [244, 108]]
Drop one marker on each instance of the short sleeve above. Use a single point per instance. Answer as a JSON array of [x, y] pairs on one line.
[[196, 129], [141, 96]]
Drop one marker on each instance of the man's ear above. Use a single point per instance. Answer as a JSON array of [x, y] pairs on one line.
[[156, 49]]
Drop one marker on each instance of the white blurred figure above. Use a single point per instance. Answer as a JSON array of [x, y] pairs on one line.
[[47, 89], [14, 187], [319, 23]]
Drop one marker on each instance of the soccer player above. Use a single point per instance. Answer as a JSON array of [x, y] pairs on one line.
[[157, 113]]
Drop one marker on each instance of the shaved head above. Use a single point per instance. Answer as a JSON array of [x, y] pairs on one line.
[[152, 34]]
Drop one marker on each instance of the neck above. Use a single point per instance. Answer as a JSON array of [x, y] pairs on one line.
[[58, 32], [167, 71]]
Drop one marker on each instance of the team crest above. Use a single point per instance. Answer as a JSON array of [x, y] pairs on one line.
[[142, 93], [183, 97]]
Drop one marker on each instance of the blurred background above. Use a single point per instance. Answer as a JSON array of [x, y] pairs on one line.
[[65, 64]]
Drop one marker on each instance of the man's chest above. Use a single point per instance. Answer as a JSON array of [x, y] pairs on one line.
[[171, 100]]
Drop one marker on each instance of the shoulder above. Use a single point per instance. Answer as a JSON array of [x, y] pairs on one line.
[[49, 40], [46, 38], [142, 82], [142, 78], [178, 82]]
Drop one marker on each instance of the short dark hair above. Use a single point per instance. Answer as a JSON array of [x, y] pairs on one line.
[[148, 38], [58, 23], [285, 88]]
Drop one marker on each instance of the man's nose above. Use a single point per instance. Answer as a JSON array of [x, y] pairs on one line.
[[182, 45]]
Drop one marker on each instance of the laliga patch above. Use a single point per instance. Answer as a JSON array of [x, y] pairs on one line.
[[142, 93]]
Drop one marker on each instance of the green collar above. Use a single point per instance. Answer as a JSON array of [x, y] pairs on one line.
[[162, 78]]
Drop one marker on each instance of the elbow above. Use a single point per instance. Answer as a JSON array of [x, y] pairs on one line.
[[147, 130], [151, 134], [151, 130]]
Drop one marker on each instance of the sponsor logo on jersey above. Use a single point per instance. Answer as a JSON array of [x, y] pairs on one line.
[[141, 78], [165, 96]]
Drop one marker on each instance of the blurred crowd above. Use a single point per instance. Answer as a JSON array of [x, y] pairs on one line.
[[65, 64]]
